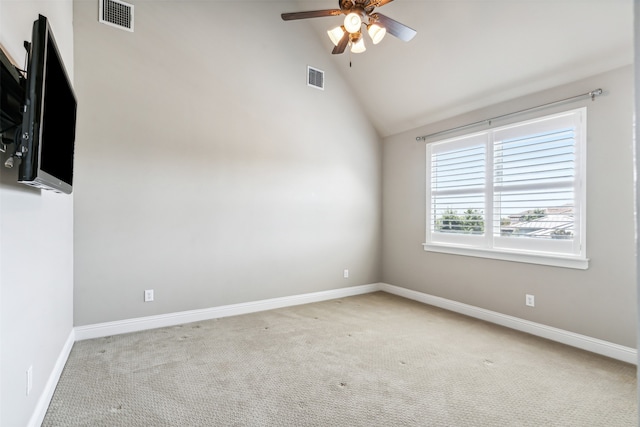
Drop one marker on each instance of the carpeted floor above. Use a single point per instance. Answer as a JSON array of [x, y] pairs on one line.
[[369, 360]]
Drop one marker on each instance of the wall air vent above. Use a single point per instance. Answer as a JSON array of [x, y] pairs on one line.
[[315, 78], [117, 14]]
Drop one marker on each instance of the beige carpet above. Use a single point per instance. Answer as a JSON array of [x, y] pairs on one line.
[[370, 360]]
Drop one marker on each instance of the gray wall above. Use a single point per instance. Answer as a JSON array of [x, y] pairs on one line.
[[36, 246], [599, 302], [208, 171]]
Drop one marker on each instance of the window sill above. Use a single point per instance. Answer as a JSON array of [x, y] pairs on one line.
[[530, 258]]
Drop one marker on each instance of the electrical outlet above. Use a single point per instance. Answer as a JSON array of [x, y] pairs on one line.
[[530, 300], [29, 380], [148, 295], [345, 274]]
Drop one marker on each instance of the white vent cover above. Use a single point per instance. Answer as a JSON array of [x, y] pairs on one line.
[[315, 78], [117, 14]]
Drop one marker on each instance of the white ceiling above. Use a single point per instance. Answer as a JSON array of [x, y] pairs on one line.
[[473, 53]]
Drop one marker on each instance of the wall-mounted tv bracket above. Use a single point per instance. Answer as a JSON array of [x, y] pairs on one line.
[[12, 134], [18, 151]]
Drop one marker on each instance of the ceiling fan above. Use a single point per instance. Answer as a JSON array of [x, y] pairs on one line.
[[357, 12]]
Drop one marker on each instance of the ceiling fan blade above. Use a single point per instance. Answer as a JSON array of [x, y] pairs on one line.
[[310, 14], [342, 44], [395, 28]]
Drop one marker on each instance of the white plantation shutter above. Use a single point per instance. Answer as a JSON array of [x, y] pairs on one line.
[[516, 188], [537, 195], [458, 188]]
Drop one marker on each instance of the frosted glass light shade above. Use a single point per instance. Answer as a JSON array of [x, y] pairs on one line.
[[352, 22], [376, 32], [358, 46], [336, 34]]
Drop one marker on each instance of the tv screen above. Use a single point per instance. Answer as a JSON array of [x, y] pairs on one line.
[[49, 119]]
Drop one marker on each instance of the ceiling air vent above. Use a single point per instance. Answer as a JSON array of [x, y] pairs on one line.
[[117, 14], [315, 78]]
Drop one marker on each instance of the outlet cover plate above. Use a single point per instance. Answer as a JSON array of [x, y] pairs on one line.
[[530, 300]]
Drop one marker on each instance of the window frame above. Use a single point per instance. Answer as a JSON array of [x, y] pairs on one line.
[[492, 246]]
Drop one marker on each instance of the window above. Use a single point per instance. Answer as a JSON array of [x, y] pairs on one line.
[[516, 192]]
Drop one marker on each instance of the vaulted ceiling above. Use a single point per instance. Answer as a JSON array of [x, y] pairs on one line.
[[473, 53]]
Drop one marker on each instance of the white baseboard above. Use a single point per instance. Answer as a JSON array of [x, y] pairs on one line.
[[172, 319], [45, 398], [605, 348]]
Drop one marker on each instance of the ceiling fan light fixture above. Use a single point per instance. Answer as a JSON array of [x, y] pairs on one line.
[[336, 34], [352, 22], [357, 45], [376, 32], [357, 14]]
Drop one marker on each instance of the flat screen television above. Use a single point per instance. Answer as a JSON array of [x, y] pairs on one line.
[[49, 116]]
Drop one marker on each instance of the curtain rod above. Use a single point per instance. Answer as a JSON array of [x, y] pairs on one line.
[[592, 94]]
